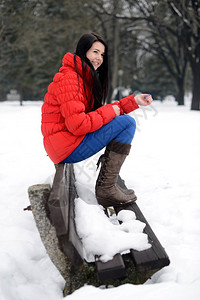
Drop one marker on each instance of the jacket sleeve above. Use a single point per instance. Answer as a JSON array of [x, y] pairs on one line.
[[79, 122], [127, 104]]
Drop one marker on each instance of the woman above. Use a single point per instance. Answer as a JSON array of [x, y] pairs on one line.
[[76, 124]]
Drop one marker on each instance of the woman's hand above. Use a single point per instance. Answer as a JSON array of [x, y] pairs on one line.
[[143, 99], [116, 109]]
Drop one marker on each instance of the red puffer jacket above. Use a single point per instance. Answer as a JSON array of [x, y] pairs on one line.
[[65, 120]]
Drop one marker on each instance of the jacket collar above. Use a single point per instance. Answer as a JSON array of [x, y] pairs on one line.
[[68, 61]]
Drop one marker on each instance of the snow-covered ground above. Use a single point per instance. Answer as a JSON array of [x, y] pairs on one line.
[[163, 168]]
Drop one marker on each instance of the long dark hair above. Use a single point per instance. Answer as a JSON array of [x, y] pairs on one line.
[[99, 88]]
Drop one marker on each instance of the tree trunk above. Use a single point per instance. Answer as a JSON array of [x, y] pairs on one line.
[[115, 55], [180, 91], [196, 87], [115, 46]]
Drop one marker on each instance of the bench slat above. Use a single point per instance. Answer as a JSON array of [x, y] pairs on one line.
[[61, 207], [154, 257], [54, 202], [111, 269]]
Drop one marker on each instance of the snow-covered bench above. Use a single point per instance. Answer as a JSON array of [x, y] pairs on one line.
[[56, 210]]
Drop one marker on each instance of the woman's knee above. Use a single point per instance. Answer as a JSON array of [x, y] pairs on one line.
[[128, 126], [127, 120]]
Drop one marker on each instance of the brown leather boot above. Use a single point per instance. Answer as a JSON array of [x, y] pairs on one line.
[[107, 191], [101, 161]]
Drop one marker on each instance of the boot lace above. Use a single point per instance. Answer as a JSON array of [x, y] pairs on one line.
[[101, 160]]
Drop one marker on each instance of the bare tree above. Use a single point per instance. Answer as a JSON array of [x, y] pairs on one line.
[[188, 13], [159, 35]]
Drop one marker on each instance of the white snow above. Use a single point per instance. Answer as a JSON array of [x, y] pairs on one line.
[[164, 170], [105, 238]]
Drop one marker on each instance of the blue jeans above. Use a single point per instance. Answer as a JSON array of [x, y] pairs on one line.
[[121, 129]]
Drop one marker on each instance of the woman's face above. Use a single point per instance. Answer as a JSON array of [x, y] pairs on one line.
[[95, 54]]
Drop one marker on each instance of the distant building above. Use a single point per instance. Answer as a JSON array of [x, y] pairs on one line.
[[13, 96]]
